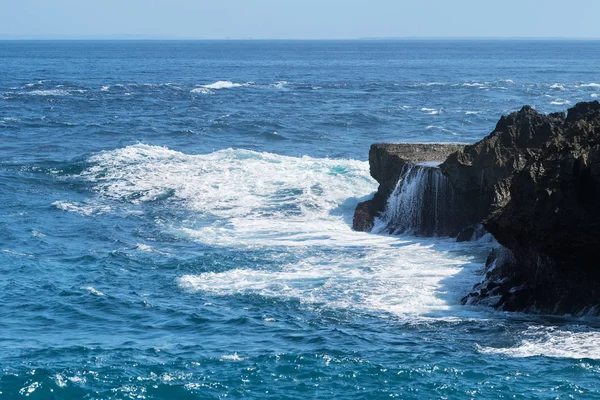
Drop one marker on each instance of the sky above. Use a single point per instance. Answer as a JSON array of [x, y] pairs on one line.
[[297, 19]]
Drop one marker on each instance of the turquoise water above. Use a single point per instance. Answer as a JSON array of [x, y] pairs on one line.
[[175, 222]]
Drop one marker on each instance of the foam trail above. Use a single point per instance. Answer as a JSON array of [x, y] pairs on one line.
[[404, 279], [552, 342]]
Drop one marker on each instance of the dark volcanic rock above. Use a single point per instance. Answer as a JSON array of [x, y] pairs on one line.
[[480, 173], [536, 184], [387, 161], [363, 217]]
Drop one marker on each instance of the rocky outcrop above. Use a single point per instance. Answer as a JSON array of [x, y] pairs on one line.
[[549, 220], [481, 173], [534, 184], [387, 161]]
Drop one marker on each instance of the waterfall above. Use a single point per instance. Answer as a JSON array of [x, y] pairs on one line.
[[420, 203]]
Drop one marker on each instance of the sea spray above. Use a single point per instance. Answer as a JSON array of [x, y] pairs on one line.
[[420, 204]]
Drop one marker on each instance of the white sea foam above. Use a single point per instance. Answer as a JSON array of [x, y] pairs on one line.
[[471, 112], [430, 111], [80, 208], [93, 291], [280, 84], [232, 357], [474, 84], [402, 278], [244, 199], [143, 247], [48, 92], [105, 88], [222, 85], [560, 102], [591, 85], [15, 253], [39, 234], [594, 95], [202, 90], [552, 342], [557, 86]]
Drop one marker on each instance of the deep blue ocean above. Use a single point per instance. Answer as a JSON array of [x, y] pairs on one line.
[[175, 222]]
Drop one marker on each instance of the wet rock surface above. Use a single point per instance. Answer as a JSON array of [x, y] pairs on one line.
[[387, 162], [534, 184], [550, 220]]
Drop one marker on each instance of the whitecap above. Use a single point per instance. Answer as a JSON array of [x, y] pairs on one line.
[[552, 342], [594, 95], [202, 90], [222, 85], [430, 111], [232, 357], [280, 84], [473, 84], [105, 88], [433, 84], [16, 253], [143, 247], [93, 291], [591, 85], [49, 92], [35, 233], [557, 86], [560, 102], [81, 209], [471, 112], [60, 380]]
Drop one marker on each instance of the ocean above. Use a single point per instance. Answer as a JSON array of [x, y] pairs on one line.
[[175, 222]]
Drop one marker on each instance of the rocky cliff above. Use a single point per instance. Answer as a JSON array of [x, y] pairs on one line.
[[534, 183], [546, 213]]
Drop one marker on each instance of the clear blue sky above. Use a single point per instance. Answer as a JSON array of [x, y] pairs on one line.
[[297, 19]]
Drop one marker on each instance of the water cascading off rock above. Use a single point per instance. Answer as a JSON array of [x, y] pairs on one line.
[[420, 204]]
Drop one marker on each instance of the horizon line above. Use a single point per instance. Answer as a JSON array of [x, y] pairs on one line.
[[399, 38]]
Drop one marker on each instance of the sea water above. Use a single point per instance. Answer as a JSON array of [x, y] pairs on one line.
[[175, 222]]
